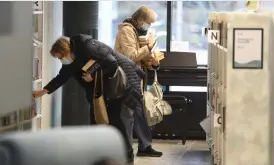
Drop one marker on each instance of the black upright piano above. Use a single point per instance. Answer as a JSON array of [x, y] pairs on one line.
[[185, 88]]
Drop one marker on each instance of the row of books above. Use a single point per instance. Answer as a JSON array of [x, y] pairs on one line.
[[16, 117], [37, 64], [21, 119]]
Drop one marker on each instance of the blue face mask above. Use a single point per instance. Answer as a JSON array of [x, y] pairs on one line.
[[66, 61], [145, 26]]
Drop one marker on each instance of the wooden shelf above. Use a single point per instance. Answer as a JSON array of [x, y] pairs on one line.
[[37, 12], [38, 35], [237, 112], [37, 81], [19, 124]]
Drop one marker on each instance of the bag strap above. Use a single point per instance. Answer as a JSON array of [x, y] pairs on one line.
[[95, 85], [86, 67], [96, 81], [102, 76], [155, 76], [145, 80]]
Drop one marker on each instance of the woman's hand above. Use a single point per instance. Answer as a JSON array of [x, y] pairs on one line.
[[40, 93], [87, 77], [153, 60]]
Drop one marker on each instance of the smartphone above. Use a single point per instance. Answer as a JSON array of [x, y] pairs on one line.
[[154, 47]]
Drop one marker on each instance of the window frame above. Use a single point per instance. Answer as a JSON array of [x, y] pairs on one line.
[[169, 26], [169, 29]]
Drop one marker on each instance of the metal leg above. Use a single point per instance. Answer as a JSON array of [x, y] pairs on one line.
[[185, 130]]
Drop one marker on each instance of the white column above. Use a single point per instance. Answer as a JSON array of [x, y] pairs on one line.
[[47, 65], [57, 27], [53, 27]]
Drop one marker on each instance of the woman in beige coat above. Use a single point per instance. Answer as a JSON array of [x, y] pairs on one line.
[[127, 43], [127, 39]]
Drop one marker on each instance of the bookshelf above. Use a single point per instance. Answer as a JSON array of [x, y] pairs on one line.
[[30, 118], [38, 36], [240, 96]]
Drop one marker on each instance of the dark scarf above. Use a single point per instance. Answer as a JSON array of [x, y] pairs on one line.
[[140, 32]]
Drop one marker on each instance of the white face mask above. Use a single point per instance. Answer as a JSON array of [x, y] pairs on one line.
[[145, 26], [66, 61]]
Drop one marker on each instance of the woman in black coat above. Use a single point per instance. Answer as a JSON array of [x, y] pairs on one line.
[[74, 53]]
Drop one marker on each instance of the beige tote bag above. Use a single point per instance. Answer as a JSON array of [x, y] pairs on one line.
[[100, 109]]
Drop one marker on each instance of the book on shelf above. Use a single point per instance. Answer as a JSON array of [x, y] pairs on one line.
[[35, 72], [33, 108], [27, 126], [12, 128], [8, 119], [25, 114], [39, 69]]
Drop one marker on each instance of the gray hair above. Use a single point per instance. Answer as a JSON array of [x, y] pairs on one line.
[[144, 14]]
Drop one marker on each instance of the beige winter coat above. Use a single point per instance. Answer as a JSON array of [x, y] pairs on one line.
[[127, 43]]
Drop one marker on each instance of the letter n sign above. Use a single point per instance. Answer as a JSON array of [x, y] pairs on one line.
[[213, 36]]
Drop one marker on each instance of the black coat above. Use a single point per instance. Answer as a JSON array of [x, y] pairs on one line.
[[86, 48]]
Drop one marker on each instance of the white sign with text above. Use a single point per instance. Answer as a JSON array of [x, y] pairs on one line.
[[217, 120], [247, 45]]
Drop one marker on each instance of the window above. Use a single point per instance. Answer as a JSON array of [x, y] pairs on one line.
[[188, 19], [108, 23], [266, 5]]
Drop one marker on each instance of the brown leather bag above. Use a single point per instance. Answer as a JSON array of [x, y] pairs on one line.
[[100, 109]]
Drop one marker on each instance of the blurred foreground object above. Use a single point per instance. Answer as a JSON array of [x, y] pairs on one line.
[[63, 146], [16, 56]]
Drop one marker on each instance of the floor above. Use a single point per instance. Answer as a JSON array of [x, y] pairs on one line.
[[193, 153]]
